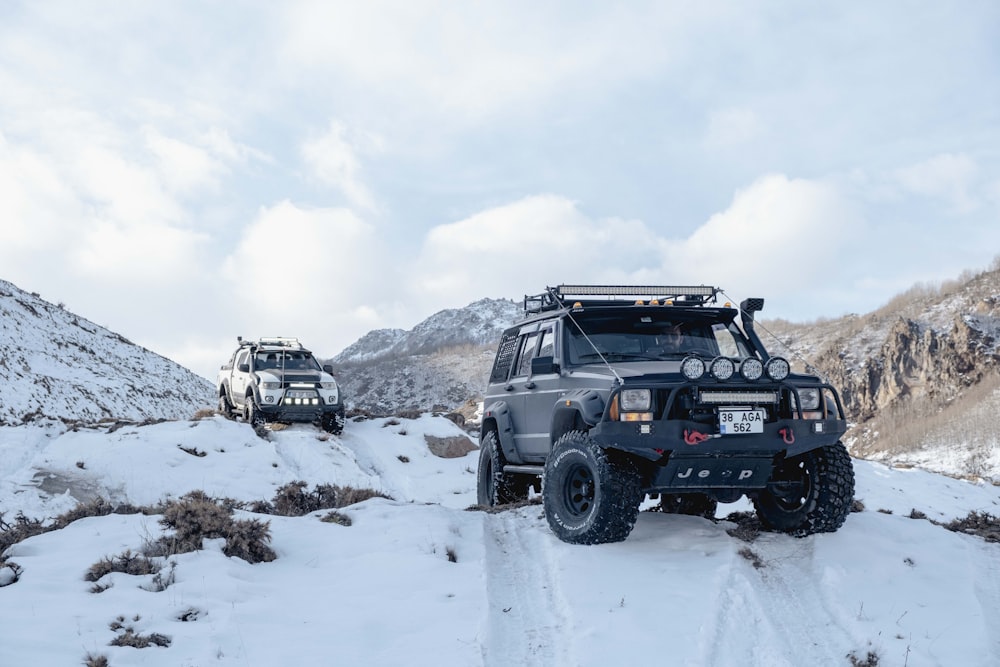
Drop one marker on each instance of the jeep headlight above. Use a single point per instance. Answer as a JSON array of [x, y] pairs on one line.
[[270, 386], [635, 400], [751, 369], [693, 367], [810, 399], [328, 385], [722, 368], [777, 368]]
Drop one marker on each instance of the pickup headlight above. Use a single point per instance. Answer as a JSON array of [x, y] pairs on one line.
[[328, 385], [270, 386], [635, 400]]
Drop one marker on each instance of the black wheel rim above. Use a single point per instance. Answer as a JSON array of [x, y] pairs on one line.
[[579, 490], [790, 486]]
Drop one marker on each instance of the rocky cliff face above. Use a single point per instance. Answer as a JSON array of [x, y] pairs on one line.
[[913, 373]]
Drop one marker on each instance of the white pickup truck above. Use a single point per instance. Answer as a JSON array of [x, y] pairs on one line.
[[276, 379]]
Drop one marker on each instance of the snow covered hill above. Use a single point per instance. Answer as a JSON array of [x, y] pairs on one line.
[[419, 580], [57, 364], [441, 362]]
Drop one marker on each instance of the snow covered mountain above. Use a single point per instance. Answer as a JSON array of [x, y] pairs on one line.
[[479, 323], [440, 363], [60, 365]]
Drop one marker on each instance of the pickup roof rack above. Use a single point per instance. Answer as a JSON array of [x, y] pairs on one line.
[[275, 341], [564, 296]]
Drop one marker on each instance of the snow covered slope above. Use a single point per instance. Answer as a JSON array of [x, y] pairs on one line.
[[57, 364], [418, 580]]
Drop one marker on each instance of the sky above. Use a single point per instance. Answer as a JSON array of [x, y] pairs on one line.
[[420, 580], [186, 172]]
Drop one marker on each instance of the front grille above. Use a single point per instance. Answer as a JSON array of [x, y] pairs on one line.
[[736, 397]]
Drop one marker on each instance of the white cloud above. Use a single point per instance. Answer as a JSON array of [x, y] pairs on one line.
[[951, 177], [778, 236], [522, 247], [297, 272], [153, 254], [333, 160], [182, 167]]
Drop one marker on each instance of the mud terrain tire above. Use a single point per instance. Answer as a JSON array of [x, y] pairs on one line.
[[332, 423], [253, 416], [588, 497], [225, 407], [809, 493], [496, 487]]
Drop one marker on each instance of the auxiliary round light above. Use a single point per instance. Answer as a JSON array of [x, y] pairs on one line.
[[722, 368], [777, 368], [751, 369], [693, 367]]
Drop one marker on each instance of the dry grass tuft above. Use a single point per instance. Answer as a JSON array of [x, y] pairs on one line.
[[126, 563]]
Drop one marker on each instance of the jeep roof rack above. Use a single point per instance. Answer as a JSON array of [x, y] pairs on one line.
[[557, 297]]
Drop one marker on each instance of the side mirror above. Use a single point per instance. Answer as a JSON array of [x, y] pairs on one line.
[[544, 366], [244, 368], [328, 369]]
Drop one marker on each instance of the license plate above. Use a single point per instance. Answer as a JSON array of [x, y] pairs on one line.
[[732, 421]]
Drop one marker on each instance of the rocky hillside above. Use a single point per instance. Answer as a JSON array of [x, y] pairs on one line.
[[440, 363], [57, 364], [918, 376]]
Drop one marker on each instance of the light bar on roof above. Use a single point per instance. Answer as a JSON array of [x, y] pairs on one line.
[[634, 290]]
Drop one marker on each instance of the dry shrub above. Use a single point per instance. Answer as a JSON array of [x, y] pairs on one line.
[[248, 539], [749, 555], [292, 499], [204, 413], [196, 516], [977, 523], [126, 563], [131, 638], [748, 526], [338, 518], [95, 660], [870, 659]]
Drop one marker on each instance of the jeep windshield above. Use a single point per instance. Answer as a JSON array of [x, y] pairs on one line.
[[647, 336]]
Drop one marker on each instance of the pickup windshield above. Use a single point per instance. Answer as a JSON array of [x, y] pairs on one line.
[[299, 361], [643, 337]]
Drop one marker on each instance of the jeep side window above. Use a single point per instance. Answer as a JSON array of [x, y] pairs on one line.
[[242, 359], [505, 356], [524, 358], [548, 346]]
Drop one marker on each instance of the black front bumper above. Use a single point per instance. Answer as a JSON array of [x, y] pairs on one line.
[[301, 413]]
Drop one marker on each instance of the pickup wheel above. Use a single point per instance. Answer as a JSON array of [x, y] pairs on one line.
[[809, 493], [251, 414], [589, 497], [332, 422], [225, 407]]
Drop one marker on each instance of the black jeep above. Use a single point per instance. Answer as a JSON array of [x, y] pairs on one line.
[[610, 393]]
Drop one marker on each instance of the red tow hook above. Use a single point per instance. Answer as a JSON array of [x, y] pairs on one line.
[[788, 435], [694, 437]]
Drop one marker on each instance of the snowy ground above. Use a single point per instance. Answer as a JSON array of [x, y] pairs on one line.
[[385, 590]]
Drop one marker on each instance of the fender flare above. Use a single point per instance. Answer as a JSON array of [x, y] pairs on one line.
[[584, 405], [498, 415]]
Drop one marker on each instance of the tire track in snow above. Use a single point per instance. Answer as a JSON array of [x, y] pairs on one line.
[[527, 621], [987, 590], [776, 615]]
